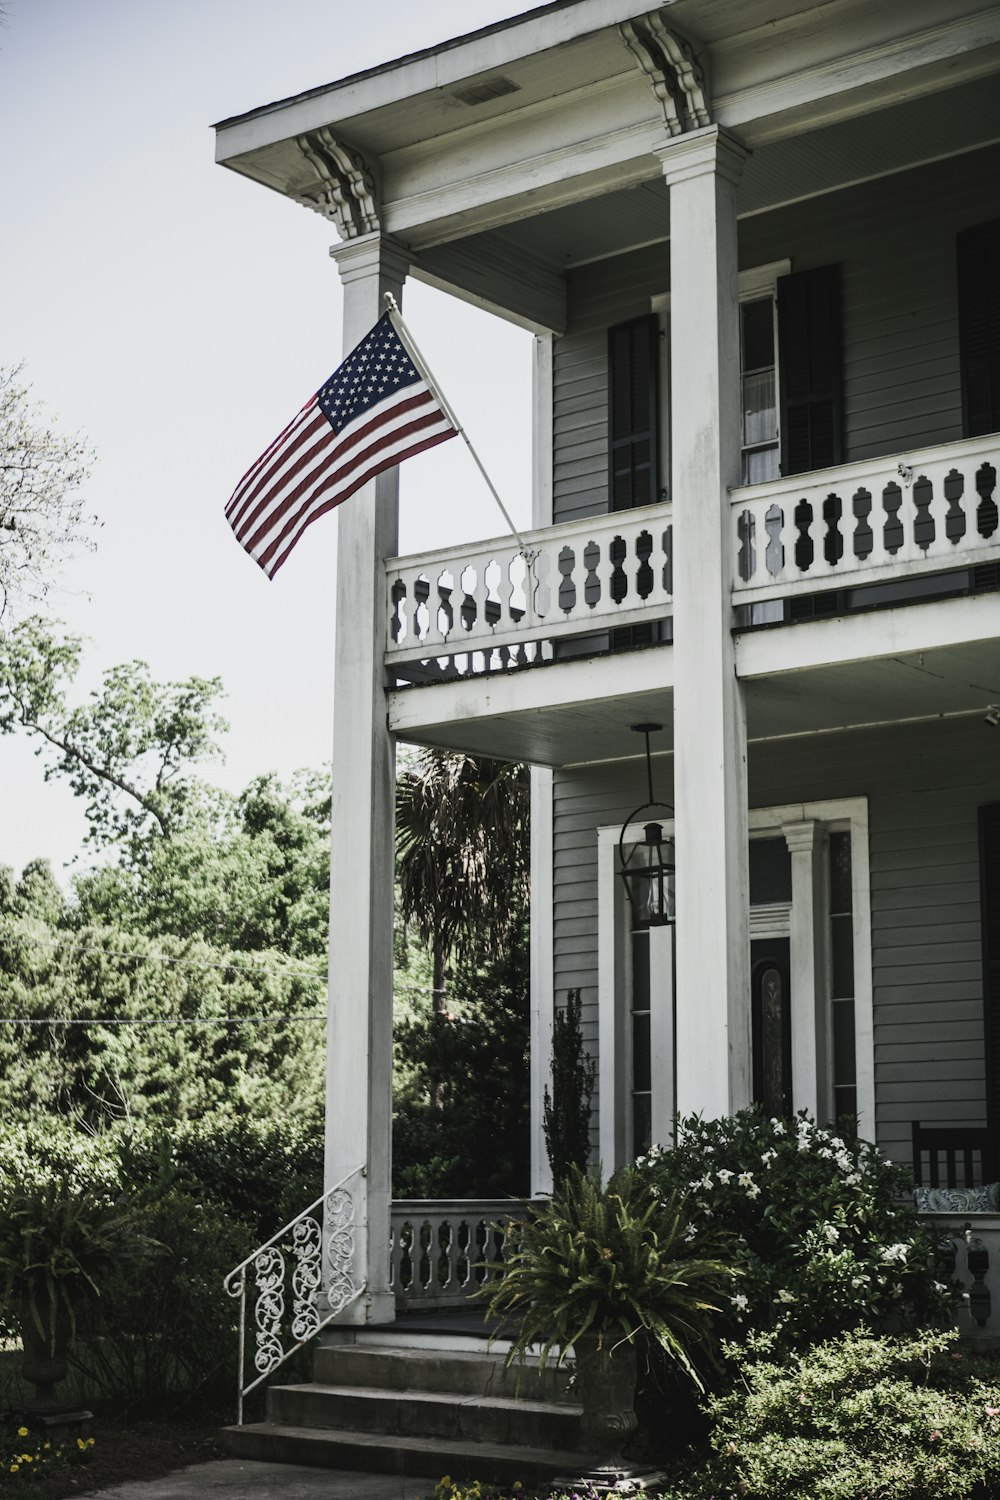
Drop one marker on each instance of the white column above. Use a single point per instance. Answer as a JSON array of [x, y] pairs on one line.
[[710, 776], [359, 1032], [809, 1039]]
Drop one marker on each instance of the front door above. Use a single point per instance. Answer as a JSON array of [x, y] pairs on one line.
[[772, 1025]]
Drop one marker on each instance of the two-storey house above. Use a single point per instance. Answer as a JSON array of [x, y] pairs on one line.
[[758, 246]]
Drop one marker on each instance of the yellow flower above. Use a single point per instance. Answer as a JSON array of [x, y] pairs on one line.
[[22, 1432], [91, 1442], [13, 1468], [80, 1444], [46, 1445]]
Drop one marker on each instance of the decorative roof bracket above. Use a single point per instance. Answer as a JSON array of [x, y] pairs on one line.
[[676, 77], [345, 189]]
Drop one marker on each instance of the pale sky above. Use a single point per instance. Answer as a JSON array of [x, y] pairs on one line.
[[179, 315]]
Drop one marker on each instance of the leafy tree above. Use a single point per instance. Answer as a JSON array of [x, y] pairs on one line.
[[460, 1125], [42, 474], [461, 843], [129, 750]]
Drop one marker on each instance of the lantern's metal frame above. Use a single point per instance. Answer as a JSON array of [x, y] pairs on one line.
[[634, 819]]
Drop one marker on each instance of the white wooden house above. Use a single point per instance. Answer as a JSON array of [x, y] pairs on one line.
[[758, 244]]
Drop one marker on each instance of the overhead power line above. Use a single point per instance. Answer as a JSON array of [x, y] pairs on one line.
[[155, 1020]]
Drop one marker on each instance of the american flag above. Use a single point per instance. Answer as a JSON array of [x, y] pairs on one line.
[[374, 411]]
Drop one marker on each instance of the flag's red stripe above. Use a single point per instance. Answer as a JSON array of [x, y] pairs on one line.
[[328, 505], [282, 498], [343, 476], [326, 495], [298, 468], [282, 465], [264, 458]]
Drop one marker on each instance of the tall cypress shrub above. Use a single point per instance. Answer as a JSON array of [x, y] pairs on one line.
[[566, 1117]]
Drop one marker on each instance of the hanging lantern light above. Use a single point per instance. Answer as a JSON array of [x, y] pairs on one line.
[[646, 859]]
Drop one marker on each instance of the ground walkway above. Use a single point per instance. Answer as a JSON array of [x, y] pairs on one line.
[[239, 1479]]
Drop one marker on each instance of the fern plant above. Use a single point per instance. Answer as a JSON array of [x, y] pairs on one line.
[[613, 1264]]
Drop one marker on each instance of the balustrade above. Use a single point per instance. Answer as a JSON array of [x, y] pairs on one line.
[[867, 522], [488, 606], [441, 1252]]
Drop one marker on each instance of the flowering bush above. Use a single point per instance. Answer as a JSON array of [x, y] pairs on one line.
[[30, 1455], [814, 1224], [852, 1419]]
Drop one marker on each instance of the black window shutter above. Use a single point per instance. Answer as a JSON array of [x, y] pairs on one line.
[[633, 412], [810, 370], [979, 327], [989, 854]]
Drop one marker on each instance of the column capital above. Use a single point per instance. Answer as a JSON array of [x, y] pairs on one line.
[[801, 838], [700, 152], [371, 255]]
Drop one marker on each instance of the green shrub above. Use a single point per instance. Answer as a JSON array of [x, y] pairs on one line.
[[815, 1226], [566, 1113], [857, 1418], [166, 1330], [614, 1262]]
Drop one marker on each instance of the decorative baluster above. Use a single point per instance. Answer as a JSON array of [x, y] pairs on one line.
[[542, 570], [493, 603], [269, 1309], [955, 521], [892, 530], [774, 552], [445, 1264], [517, 591], [307, 1276], [644, 579], [397, 614], [567, 585], [421, 616], [463, 1260], [668, 564], [423, 1268], [923, 522], [986, 511], [592, 590], [617, 552], [468, 612], [805, 549], [833, 542], [863, 541], [445, 616], [746, 527]]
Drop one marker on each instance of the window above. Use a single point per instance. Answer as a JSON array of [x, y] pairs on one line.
[[841, 916], [758, 388], [633, 412]]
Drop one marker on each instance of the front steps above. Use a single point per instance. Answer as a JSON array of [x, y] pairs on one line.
[[422, 1404]]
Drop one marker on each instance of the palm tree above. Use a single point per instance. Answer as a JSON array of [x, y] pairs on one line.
[[462, 854]]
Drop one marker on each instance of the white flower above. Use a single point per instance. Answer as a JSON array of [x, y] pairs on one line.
[[745, 1180], [778, 1126], [706, 1183], [894, 1252], [857, 1281], [724, 1175], [784, 1296], [767, 1157], [831, 1232], [753, 1191], [836, 1142], [852, 1179], [826, 1153], [690, 1233], [740, 1301], [940, 1286]]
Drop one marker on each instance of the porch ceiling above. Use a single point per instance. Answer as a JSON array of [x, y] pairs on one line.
[[945, 680], [567, 713]]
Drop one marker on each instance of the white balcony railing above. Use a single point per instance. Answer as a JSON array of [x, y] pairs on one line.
[[487, 606], [880, 520], [442, 1252]]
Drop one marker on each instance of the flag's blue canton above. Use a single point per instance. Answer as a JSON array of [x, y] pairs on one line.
[[377, 368]]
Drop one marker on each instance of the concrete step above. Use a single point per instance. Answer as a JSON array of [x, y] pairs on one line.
[[426, 1414], [418, 1456], [460, 1372]]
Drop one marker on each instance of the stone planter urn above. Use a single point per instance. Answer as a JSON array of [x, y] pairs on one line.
[[605, 1387], [45, 1360]]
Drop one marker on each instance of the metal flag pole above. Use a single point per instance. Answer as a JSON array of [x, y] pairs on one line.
[[406, 338]]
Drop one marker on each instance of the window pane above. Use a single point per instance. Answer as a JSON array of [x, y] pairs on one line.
[[760, 417], [845, 1103], [640, 970], [842, 957], [844, 1065], [760, 465], [770, 872], [758, 333], [840, 871], [641, 1074]]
